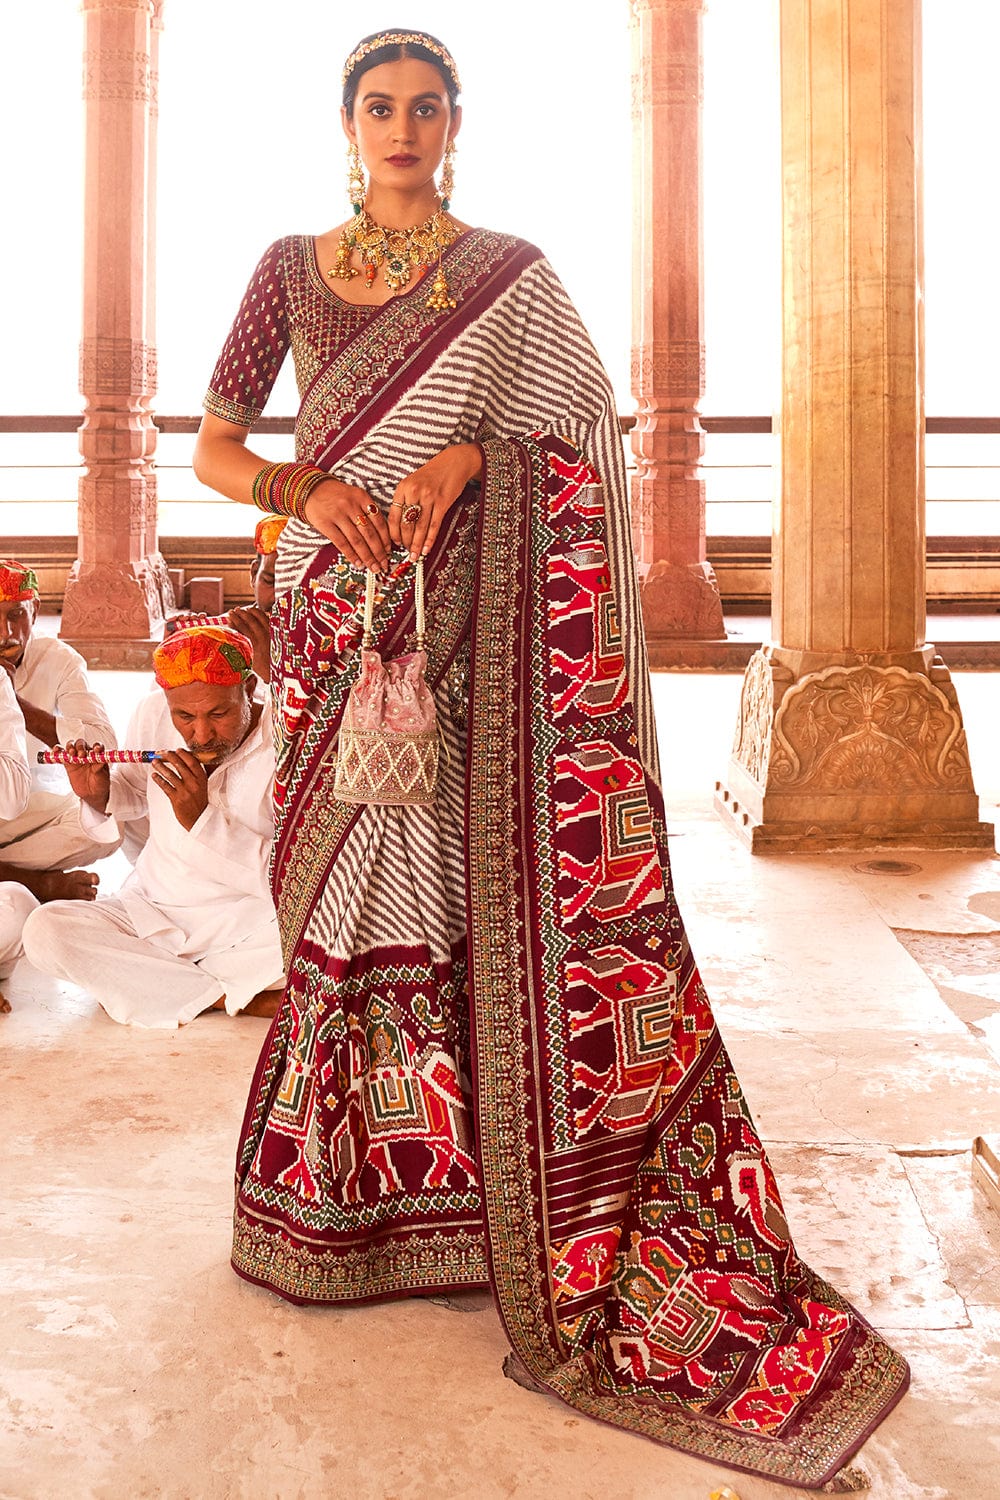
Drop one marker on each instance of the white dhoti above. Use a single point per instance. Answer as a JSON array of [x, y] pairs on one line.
[[153, 981], [16, 906]]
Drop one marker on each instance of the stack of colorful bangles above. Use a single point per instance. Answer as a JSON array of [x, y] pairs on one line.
[[283, 489]]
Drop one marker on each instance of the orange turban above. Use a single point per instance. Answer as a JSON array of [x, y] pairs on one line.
[[16, 581], [203, 653], [265, 538]]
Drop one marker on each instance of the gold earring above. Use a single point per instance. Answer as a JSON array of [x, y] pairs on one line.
[[447, 187], [355, 179]]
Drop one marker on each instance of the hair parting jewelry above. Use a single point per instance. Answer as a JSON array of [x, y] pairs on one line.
[[401, 39], [283, 489]]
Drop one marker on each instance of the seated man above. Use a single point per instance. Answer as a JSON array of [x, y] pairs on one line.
[[193, 927], [39, 846], [15, 787]]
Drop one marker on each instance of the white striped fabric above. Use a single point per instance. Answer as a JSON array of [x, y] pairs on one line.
[[526, 365]]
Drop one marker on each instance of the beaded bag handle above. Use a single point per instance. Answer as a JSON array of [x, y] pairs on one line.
[[418, 590]]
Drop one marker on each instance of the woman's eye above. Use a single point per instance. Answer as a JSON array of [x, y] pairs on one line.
[[379, 111], [425, 111]]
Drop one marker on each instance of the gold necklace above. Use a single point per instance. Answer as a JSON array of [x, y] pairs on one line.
[[400, 252]]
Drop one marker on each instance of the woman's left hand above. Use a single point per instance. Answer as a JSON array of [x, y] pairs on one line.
[[433, 489]]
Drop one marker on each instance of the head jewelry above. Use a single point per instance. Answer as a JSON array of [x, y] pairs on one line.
[[402, 39], [203, 653]]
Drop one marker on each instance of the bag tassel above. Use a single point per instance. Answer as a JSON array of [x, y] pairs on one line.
[[849, 1481]]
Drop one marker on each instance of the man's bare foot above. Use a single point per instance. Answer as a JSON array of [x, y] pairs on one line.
[[265, 1004], [54, 885], [4, 1004]]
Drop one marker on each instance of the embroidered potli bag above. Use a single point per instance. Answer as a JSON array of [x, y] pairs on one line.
[[387, 751]]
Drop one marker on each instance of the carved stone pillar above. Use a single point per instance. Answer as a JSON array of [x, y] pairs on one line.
[[680, 595], [850, 732], [118, 588]]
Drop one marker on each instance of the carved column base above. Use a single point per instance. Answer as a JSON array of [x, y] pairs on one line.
[[850, 753], [113, 612], [680, 602]]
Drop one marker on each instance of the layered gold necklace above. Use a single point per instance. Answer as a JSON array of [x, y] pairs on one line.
[[400, 252]]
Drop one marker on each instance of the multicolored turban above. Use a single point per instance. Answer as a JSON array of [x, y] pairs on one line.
[[265, 538], [203, 653], [16, 581]]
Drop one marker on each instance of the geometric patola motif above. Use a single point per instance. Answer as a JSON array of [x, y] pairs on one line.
[[590, 653], [620, 1011], [614, 869], [582, 1264]]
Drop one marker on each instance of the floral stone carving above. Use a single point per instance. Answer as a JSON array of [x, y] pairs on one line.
[[863, 729]]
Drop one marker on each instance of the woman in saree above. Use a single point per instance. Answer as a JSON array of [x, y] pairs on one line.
[[495, 1063]]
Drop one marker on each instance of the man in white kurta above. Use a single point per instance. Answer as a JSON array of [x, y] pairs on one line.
[[194, 924], [58, 704], [15, 787]]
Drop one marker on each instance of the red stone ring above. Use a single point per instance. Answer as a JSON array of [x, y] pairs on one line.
[[372, 509], [411, 514], [361, 521]]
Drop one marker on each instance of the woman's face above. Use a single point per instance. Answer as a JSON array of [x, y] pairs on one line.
[[402, 122]]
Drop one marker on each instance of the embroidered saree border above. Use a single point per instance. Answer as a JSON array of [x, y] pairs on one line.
[[395, 1266], [396, 347], [864, 1378]]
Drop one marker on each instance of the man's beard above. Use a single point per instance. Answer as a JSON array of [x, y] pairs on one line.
[[220, 750], [211, 755]]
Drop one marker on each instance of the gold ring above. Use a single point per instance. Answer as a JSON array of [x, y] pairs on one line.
[[361, 521], [372, 509], [411, 514], [397, 504]]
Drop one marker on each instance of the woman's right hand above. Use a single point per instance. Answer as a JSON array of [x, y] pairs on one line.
[[349, 518]]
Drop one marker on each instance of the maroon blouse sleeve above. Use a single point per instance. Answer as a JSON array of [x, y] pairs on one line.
[[255, 348]]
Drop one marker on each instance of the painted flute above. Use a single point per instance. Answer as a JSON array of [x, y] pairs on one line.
[[60, 757], [184, 622]]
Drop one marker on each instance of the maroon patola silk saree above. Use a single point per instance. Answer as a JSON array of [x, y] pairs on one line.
[[495, 1061]]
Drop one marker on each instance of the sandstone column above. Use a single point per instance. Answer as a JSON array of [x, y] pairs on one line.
[[118, 588], [850, 731], [680, 595]]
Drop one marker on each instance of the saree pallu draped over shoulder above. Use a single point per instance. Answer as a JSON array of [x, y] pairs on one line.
[[495, 1061]]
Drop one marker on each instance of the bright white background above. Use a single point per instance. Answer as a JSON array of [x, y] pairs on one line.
[[250, 148]]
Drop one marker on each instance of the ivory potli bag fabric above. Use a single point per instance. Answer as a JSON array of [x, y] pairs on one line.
[[495, 1062], [387, 750]]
